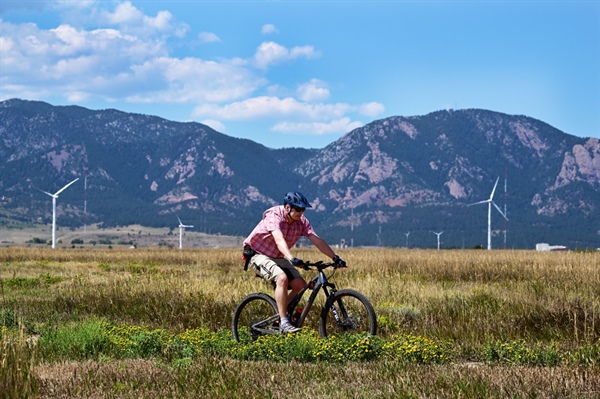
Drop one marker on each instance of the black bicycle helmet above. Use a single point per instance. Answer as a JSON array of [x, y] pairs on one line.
[[296, 199]]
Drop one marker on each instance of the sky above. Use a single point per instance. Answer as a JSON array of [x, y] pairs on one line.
[[304, 73]]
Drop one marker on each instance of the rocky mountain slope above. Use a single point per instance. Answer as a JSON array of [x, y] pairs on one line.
[[390, 180]]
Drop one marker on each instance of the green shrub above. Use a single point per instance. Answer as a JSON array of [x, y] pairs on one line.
[[417, 349], [8, 318], [308, 346], [588, 355], [11, 320], [520, 353], [86, 340], [135, 341], [31, 282], [348, 347], [299, 347]]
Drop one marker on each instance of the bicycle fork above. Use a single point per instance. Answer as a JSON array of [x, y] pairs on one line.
[[324, 284], [330, 293]]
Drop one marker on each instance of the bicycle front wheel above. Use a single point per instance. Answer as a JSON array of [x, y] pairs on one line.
[[347, 312], [254, 316]]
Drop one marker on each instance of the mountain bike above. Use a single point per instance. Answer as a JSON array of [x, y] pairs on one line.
[[345, 311]]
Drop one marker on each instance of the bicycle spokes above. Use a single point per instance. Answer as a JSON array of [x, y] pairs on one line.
[[347, 320], [264, 326], [255, 315], [348, 311]]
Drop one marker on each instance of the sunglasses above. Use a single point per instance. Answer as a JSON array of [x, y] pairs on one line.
[[298, 209]]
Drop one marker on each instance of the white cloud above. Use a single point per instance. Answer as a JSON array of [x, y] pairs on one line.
[[268, 29], [314, 90], [125, 13], [161, 22], [77, 96], [269, 53], [371, 109], [193, 80], [208, 37], [108, 63], [343, 125], [128, 57], [298, 117], [272, 107], [214, 124], [288, 107], [131, 20], [70, 35], [30, 50]]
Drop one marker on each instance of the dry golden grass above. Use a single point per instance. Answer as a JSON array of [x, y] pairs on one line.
[[223, 378], [468, 297]]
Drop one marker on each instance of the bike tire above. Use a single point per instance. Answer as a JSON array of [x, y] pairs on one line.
[[254, 307], [356, 313]]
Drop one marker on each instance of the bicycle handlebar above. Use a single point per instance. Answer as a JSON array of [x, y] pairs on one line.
[[320, 265]]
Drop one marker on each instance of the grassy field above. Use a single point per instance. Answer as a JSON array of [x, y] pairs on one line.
[[121, 323]]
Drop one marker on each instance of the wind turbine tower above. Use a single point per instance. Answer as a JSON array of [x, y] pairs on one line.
[[181, 227], [407, 234], [505, 213], [438, 238], [490, 202], [54, 197], [84, 200], [352, 229]]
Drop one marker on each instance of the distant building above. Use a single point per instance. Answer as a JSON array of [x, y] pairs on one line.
[[547, 247]]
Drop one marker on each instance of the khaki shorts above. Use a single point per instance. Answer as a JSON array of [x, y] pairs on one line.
[[271, 268]]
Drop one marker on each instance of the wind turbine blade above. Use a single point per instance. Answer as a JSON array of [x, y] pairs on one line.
[[499, 210], [180, 224], [494, 189], [65, 187], [480, 202], [46, 192]]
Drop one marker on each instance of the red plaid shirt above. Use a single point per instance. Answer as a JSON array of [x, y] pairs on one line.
[[275, 218]]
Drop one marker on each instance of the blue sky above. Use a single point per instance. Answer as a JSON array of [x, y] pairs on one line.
[[304, 73]]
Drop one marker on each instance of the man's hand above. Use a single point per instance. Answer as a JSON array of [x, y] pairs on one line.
[[339, 262], [297, 262]]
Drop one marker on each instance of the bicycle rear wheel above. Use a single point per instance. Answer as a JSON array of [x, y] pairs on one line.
[[254, 316], [347, 312]]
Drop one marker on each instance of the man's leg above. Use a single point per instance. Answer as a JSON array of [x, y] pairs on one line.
[[295, 285], [270, 269], [281, 294]]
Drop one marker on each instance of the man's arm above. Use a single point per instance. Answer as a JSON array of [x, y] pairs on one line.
[[321, 245], [281, 244]]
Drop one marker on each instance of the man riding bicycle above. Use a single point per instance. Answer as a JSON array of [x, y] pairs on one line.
[[267, 250]]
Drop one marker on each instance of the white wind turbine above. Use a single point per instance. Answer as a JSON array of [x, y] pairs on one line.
[[438, 238], [490, 202], [54, 197], [181, 227]]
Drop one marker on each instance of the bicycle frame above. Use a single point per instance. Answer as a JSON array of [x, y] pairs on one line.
[[317, 283]]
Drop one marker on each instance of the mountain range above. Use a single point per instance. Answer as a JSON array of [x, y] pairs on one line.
[[393, 182]]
